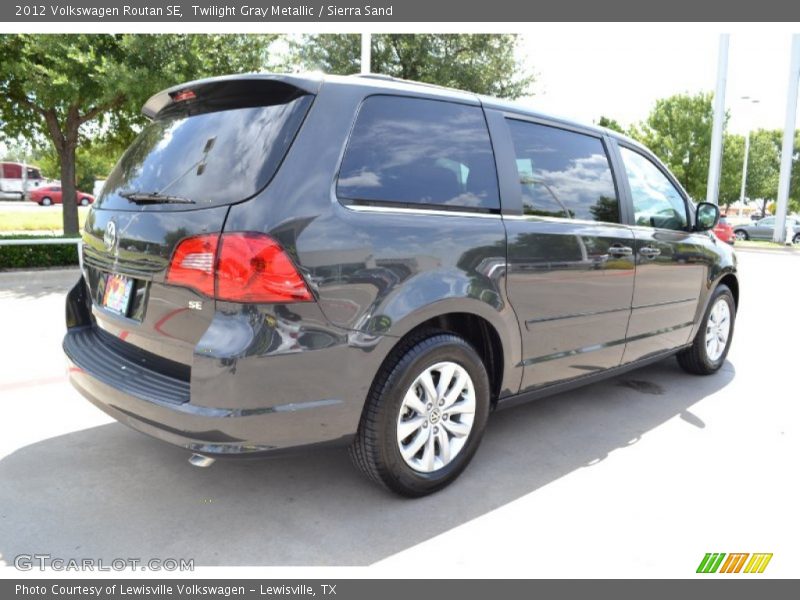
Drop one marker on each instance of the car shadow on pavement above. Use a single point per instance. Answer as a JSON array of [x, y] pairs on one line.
[[109, 492]]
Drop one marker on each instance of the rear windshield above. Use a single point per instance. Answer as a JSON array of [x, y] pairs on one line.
[[211, 158]]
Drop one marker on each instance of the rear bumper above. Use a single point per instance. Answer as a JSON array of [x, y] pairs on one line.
[[213, 432], [244, 395], [141, 405]]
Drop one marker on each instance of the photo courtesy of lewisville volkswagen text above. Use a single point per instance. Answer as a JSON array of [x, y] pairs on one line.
[[162, 589]]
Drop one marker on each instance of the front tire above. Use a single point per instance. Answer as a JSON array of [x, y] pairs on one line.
[[713, 340], [84, 202], [741, 235], [424, 417], [46, 201]]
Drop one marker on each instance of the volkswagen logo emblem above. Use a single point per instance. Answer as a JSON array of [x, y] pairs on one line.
[[110, 236]]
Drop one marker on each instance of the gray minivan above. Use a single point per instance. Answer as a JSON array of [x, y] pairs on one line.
[[286, 261]]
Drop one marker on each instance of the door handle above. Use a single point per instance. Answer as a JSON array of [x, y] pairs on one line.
[[620, 250], [649, 252]]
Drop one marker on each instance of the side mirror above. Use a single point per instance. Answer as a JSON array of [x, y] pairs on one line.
[[706, 217]]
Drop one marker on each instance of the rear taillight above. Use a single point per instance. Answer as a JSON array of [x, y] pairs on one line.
[[192, 264], [252, 267], [182, 95], [239, 267]]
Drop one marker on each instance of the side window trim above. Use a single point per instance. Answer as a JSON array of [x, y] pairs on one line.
[[604, 140], [505, 162], [669, 177], [418, 206], [388, 205], [620, 180]]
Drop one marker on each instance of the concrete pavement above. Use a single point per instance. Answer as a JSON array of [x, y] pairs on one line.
[[636, 476]]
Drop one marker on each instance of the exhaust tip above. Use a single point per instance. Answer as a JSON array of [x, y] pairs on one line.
[[198, 460]]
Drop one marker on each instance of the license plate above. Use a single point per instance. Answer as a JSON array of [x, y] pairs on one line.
[[117, 294]]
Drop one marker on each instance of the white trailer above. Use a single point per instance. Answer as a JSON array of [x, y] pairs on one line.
[[16, 179]]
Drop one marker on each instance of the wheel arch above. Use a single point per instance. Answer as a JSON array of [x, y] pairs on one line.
[[730, 280], [495, 340]]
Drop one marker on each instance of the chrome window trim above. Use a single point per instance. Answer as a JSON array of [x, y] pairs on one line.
[[419, 211]]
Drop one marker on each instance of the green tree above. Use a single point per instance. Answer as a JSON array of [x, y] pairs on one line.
[[94, 161], [612, 124], [763, 166], [480, 63], [730, 181], [606, 210], [794, 184], [15, 149], [678, 131], [69, 88]]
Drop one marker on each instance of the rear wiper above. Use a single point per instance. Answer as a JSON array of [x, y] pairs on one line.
[[155, 198]]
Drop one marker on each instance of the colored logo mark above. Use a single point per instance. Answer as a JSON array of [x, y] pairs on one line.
[[719, 562]]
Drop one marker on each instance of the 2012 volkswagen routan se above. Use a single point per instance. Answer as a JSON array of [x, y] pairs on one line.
[[288, 261]]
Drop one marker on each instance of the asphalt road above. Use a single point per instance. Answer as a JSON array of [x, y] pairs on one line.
[[26, 205], [637, 476]]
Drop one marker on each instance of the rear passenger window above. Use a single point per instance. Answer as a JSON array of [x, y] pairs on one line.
[[563, 174], [423, 152]]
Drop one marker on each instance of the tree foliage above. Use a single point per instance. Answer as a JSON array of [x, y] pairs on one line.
[[611, 124], [480, 63], [730, 180], [763, 166], [67, 88], [678, 131]]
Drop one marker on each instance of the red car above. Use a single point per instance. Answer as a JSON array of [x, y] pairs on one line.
[[724, 231], [51, 194]]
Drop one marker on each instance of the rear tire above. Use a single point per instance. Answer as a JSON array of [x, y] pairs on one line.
[[740, 234], [413, 441], [708, 351], [796, 239], [46, 201], [84, 202]]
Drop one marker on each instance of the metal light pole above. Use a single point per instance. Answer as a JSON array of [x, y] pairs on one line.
[[744, 172], [782, 232], [366, 53], [715, 162], [746, 155]]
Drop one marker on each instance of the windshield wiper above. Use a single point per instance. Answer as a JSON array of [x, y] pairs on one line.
[[155, 198]]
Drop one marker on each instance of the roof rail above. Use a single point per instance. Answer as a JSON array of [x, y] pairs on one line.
[[377, 76], [383, 77]]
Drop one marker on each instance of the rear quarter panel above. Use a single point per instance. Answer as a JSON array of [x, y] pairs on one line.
[[379, 273]]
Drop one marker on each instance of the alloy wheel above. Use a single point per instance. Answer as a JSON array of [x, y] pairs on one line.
[[718, 328], [436, 417]]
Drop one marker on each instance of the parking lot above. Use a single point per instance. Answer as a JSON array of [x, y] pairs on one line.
[[636, 476]]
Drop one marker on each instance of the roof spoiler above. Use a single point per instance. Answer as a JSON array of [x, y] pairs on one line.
[[230, 91]]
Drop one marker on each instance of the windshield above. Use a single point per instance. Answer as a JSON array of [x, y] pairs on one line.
[[210, 158]]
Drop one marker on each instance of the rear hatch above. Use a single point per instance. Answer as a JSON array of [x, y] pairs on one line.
[[209, 144]]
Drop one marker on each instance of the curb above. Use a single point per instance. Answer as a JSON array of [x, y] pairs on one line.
[[787, 250]]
